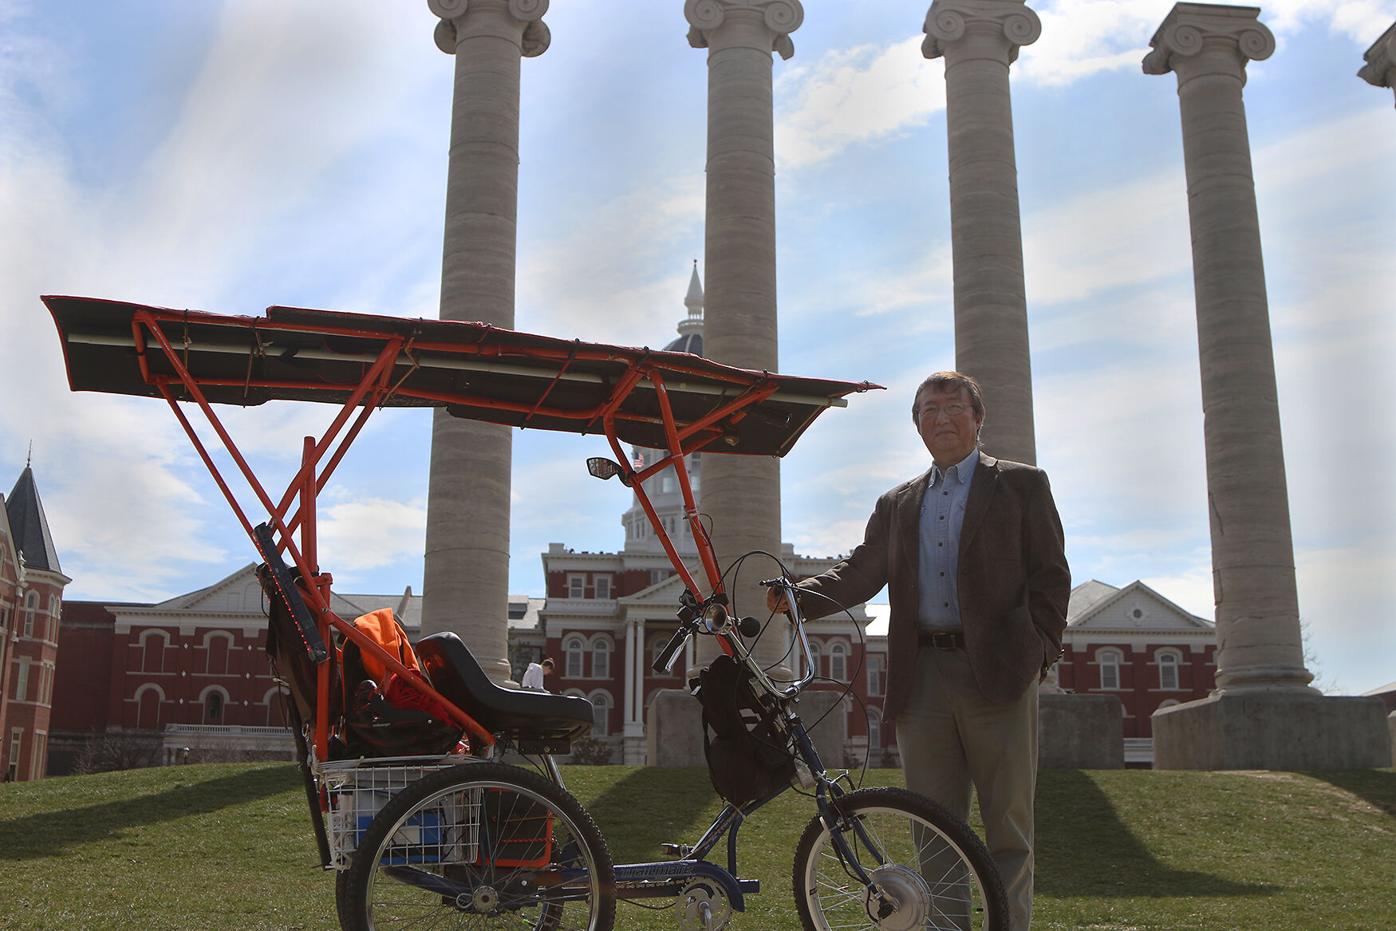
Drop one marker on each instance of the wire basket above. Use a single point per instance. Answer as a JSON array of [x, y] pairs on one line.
[[447, 831]]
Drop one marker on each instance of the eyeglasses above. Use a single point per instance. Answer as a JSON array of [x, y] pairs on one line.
[[952, 410]]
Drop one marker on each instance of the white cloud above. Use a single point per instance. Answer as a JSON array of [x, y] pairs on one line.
[[357, 534]]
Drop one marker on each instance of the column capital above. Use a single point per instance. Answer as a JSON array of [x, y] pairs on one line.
[[1010, 23], [764, 25], [519, 20], [1380, 70], [1205, 38]]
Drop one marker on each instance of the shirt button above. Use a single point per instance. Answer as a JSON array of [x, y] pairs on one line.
[[942, 517], [947, 604], [940, 544], [942, 575]]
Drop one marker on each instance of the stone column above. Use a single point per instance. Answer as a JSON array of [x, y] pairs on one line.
[[741, 493], [979, 39], [1254, 720], [466, 576], [634, 728], [1380, 67]]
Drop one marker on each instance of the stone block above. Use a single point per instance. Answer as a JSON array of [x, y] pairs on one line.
[[674, 729], [1272, 730], [1391, 735], [1080, 732]]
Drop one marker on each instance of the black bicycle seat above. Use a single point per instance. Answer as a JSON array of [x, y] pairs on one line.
[[525, 716]]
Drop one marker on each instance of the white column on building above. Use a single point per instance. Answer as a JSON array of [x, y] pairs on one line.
[[979, 40], [1263, 714], [627, 674], [1380, 67], [466, 573], [742, 493]]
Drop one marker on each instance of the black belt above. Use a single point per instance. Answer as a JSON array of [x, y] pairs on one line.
[[941, 639]]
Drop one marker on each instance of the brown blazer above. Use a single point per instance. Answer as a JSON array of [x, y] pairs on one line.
[[1013, 581]]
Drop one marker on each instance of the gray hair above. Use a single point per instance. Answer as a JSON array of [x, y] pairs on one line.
[[949, 381]]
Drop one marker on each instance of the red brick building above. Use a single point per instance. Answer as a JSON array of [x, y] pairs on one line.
[[31, 599]]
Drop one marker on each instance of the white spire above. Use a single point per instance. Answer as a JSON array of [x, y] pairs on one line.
[[694, 300]]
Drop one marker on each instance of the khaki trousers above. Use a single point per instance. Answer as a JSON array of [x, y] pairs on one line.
[[950, 737]]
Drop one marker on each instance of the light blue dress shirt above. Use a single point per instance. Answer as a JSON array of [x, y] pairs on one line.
[[942, 516]]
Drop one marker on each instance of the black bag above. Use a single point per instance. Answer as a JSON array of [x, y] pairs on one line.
[[747, 756], [374, 728]]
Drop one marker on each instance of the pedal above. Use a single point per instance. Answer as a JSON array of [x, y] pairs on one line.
[[678, 851]]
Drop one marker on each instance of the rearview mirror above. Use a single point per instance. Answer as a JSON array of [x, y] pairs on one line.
[[604, 468]]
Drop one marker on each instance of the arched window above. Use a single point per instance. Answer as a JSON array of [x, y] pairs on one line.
[[816, 666], [1166, 703], [1109, 661], [1168, 661], [838, 661], [874, 729], [601, 658], [276, 707], [149, 697], [31, 607], [572, 650], [217, 646], [600, 713], [153, 643], [214, 699]]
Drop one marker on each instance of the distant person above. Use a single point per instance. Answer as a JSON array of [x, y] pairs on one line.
[[973, 556], [533, 675]]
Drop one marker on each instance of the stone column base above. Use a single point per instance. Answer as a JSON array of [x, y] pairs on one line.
[[1080, 732], [633, 751], [674, 729], [1391, 728], [1272, 730]]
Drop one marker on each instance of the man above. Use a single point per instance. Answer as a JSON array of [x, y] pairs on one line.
[[972, 554], [533, 675]]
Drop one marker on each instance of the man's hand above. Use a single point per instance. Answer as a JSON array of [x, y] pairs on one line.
[[776, 601]]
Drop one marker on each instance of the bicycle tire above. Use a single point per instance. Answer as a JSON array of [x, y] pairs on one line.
[[492, 896], [952, 885]]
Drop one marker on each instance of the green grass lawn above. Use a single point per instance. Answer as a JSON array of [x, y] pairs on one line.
[[230, 847]]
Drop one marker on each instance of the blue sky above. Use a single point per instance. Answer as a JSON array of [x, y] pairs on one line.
[[231, 156]]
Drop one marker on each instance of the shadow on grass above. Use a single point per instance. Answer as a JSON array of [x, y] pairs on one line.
[[1376, 787], [1085, 850], [51, 832], [652, 806]]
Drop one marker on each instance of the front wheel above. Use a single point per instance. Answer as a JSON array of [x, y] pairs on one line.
[[480, 846], [928, 870]]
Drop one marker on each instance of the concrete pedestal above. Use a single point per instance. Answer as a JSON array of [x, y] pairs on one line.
[[674, 728], [1080, 732], [1272, 730]]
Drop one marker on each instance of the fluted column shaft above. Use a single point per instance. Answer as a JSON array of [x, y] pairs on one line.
[[740, 493], [1379, 68], [979, 40], [1257, 612], [466, 573]]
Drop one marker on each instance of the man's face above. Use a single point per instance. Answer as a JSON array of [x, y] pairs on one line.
[[947, 424]]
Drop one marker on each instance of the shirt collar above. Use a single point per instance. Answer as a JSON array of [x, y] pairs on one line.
[[961, 470]]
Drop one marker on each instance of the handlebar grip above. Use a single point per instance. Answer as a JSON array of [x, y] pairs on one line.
[[665, 660]]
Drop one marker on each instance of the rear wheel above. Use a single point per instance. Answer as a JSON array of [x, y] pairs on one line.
[[480, 846], [928, 869]]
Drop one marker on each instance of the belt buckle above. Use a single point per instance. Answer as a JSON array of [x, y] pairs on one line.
[[943, 640]]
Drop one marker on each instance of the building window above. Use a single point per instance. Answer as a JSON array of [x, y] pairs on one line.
[[601, 658], [153, 643], [22, 680], [576, 585], [31, 605], [148, 699], [217, 647], [213, 707], [603, 586], [572, 652], [658, 575], [874, 729], [600, 714], [1168, 670], [838, 662], [36, 755], [876, 673], [1109, 661], [16, 746]]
